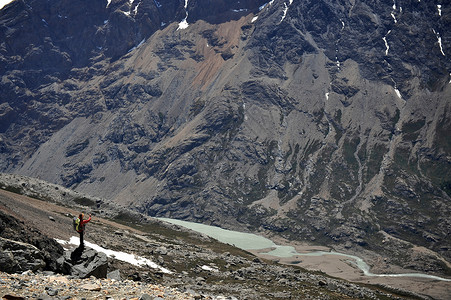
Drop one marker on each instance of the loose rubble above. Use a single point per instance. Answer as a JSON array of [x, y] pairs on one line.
[[42, 286]]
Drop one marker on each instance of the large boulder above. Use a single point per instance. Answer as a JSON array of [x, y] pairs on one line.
[[19, 257], [13, 229], [84, 262]]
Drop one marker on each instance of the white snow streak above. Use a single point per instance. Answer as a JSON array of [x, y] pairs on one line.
[[394, 17], [398, 93], [184, 24], [439, 39], [393, 12], [327, 96], [439, 8], [208, 268], [387, 47], [109, 2], [126, 257], [136, 8], [254, 19], [440, 44], [266, 5], [285, 9]]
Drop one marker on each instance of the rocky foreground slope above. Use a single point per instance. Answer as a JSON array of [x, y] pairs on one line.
[[199, 267], [320, 120]]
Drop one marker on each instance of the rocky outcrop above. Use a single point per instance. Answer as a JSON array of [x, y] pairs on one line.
[[16, 257], [84, 262], [36, 245]]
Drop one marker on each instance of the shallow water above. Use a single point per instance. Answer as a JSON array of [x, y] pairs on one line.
[[250, 241]]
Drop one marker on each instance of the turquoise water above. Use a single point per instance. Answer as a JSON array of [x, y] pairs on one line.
[[250, 241]]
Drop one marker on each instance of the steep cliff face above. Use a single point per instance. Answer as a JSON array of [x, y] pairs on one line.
[[324, 121]]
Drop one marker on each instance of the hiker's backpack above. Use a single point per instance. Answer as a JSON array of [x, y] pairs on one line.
[[75, 223]]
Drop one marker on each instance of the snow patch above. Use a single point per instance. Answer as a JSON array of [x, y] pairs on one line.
[[394, 17], [439, 9], [122, 256], [184, 24], [398, 93], [108, 3], [135, 11], [254, 19], [439, 40], [140, 43], [105, 22], [285, 9], [387, 47], [266, 5], [208, 268], [327, 96], [4, 2], [393, 12]]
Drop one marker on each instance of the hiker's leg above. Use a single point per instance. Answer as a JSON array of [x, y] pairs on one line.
[[81, 238]]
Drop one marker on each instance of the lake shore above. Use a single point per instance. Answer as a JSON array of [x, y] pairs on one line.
[[344, 268], [338, 265]]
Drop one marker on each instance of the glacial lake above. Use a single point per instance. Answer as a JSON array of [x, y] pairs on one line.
[[250, 241]]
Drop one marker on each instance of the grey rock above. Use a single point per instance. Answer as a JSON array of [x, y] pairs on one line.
[[85, 262], [146, 297], [51, 291], [19, 257], [116, 275]]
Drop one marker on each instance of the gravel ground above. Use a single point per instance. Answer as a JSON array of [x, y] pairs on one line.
[[41, 286]]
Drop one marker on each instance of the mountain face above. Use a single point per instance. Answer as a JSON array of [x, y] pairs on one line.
[[317, 120]]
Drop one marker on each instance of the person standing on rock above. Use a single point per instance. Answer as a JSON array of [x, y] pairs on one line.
[[81, 227]]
